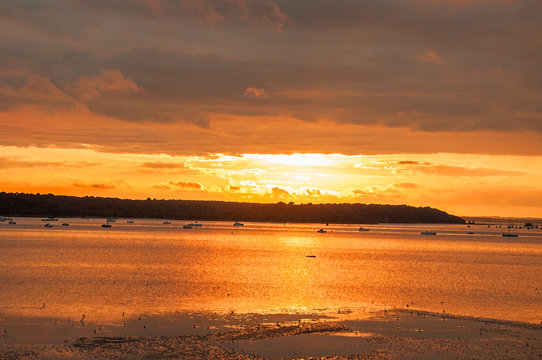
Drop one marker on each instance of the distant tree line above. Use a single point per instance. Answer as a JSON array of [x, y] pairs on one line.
[[21, 204]]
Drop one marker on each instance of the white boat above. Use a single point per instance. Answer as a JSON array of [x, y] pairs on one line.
[[321, 231], [238, 224], [363, 229], [50, 218]]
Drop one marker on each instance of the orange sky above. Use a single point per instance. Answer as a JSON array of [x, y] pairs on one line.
[[427, 103]]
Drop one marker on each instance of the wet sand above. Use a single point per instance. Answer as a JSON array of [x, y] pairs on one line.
[[395, 334]]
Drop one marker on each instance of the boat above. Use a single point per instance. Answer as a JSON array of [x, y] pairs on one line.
[[428, 233], [12, 222], [111, 220], [196, 224], [50, 218], [363, 229], [321, 231], [106, 225], [187, 226], [48, 225], [130, 222], [508, 233], [238, 224], [166, 223], [65, 224], [470, 233]]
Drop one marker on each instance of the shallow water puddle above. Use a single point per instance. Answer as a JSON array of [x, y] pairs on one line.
[[305, 345]]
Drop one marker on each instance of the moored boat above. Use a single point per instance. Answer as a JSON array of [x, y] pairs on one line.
[[321, 231], [428, 233], [238, 224]]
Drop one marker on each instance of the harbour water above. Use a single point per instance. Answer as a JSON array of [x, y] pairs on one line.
[[148, 267]]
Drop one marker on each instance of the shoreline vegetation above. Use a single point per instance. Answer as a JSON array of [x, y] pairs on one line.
[[23, 204]]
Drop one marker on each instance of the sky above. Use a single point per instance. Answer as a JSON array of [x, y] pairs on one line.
[[419, 102]]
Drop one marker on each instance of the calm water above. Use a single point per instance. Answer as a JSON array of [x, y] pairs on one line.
[[152, 268]]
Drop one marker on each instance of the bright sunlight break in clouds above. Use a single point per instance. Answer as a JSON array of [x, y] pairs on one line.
[[426, 103]]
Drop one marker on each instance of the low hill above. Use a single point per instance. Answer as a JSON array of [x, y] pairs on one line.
[[20, 204]]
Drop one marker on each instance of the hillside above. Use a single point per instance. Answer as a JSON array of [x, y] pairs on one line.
[[20, 204]]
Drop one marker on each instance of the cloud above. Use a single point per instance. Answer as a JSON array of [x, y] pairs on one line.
[[213, 12], [256, 92], [313, 192], [410, 162], [32, 89], [186, 185], [279, 192], [94, 186], [345, 69], [6, 163], [466, 171], [163, 165], [9, 163], [109, 81], [430, 56], [207, 14]]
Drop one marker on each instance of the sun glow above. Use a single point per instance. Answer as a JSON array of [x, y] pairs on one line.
[[461, 184], [298, 160]]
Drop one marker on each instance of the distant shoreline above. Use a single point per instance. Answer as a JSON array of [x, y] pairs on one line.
[[44, 205]]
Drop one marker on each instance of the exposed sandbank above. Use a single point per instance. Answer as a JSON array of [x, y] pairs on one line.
[[397, 334]]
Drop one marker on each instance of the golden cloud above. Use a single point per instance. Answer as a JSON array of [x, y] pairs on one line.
[[256, 92], [430, 56], [186, 185]]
